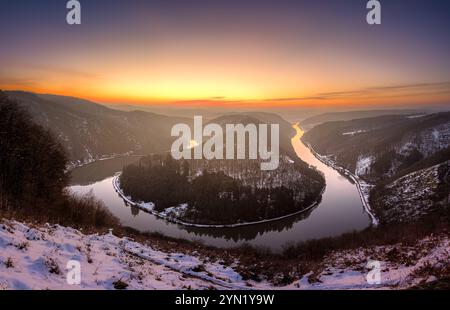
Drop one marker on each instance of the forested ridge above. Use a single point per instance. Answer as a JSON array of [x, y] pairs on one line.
[[220, 191]]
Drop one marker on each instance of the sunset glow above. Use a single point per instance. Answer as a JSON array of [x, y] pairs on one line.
[[223, 54]]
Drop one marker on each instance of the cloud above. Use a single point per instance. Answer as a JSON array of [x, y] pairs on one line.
[[422, 86], [4, 81], [35, 75], [295, 99], [209, 101], [416, 89], [63, 71]]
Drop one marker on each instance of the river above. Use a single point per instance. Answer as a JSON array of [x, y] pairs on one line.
[[339, 211]]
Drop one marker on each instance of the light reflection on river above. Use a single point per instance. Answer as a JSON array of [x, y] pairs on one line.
[[340, 210]]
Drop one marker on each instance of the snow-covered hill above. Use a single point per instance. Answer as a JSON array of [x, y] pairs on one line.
[[381, 147], [403, 158], [36, 258], [414, 195]]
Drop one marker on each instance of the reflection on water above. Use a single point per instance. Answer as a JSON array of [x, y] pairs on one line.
[[340, 210], [100, 170]]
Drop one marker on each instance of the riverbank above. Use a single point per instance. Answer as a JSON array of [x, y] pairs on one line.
[[362, 186], [149, 207], [76, 164]]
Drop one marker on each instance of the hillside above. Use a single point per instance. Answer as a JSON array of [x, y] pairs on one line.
[[315, 120], [286, 130], [414, 195], [381, 147], [90, 131], [401, 156]]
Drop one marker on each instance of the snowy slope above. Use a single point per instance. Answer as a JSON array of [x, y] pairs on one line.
[[401, 266], [35, 258], [381, 147], [414, 195]]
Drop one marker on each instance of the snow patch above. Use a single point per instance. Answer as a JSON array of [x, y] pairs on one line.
[[363, 165], [353, 133]]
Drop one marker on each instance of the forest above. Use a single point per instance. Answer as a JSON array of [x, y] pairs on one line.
[[220, 192], [33, 175]]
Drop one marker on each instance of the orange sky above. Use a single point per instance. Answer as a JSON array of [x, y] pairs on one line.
[[216, 76], [279, 55]]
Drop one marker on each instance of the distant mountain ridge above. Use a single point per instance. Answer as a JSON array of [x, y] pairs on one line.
[[90, 131], [315, 120], [287, 132]]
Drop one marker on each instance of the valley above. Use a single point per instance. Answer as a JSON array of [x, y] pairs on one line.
[[336, 222], [339, 211]]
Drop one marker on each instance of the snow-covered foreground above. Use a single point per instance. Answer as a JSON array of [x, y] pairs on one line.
[[36, 258], [401, 266]]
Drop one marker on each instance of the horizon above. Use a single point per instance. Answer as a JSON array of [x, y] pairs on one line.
[[256, 55], [290, 114]]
